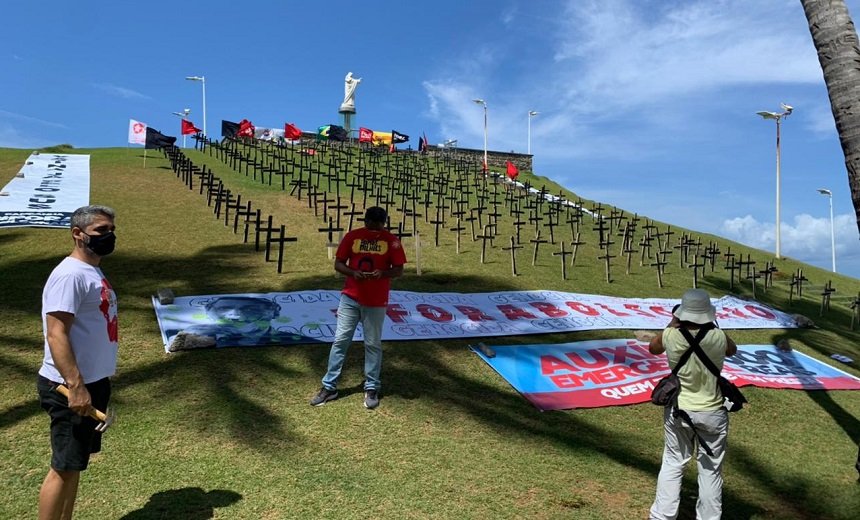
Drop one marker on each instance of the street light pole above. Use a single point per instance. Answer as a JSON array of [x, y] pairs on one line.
[[202, 80], [787, 109], [184, 115], [829, 195], [532, 113], [486, 164]]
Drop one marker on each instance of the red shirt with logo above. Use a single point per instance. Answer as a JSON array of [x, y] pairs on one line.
[[368, 250]]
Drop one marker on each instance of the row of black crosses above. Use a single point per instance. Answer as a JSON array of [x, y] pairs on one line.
[[339, 179], [228, 206], [326, 174]]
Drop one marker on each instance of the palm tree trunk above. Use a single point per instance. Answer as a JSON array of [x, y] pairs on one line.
[[836, 41]]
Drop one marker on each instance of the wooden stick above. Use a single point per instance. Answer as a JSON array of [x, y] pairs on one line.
[[93, 413]]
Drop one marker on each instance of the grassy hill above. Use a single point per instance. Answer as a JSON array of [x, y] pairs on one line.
[[229, 432]]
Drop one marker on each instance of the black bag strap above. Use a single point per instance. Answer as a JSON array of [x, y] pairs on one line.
[[697, 348], [684, 357], [686, 418]]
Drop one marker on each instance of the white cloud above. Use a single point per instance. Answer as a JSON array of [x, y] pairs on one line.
[[620, 54], [625, 71], [121, 92], [28, 119], [807, 239], [10, 137]]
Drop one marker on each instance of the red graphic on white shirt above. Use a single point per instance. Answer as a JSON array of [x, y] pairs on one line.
[[108, 304]]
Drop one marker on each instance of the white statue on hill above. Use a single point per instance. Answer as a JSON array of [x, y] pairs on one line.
[[349, 86]]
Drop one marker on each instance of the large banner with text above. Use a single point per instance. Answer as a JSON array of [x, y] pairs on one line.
[[46, 191], [286, 318], [613, 372]]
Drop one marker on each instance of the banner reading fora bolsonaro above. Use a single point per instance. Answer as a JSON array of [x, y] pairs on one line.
[[309, 316], [614, 372], [47, 190]]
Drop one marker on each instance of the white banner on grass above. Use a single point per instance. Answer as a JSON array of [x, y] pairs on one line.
[[136, 132], [49, 188], [309, 316]]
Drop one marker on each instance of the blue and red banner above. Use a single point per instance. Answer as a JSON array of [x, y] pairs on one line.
[[613, 372]]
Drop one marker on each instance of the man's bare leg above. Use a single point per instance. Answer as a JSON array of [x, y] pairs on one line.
[[58, 494]]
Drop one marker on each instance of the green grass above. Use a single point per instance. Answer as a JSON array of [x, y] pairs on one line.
[[229, 432]]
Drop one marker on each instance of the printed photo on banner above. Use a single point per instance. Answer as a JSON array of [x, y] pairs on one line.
[[309, 316]]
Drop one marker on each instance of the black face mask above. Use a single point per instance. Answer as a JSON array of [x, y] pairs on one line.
[[102, 245]]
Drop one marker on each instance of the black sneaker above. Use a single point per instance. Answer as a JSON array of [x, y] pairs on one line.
[[323, 396], [371, 399]]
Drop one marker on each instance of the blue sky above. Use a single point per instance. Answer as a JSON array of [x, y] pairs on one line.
[[646, 105]]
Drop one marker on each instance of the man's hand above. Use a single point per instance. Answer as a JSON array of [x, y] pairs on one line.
[[79, 400]]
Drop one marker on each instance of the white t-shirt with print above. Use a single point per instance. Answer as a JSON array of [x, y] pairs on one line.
[[81, 289]]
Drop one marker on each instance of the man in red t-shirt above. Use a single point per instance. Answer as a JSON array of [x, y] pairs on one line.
[[369, 257]]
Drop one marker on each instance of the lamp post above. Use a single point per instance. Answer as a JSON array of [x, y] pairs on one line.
[[829, 195], [202, 80], [778, 118], [532, 113], [486, 164], [183, 115]]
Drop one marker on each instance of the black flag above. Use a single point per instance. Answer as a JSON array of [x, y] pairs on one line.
[[156, 140], [229, 128], [397, 137], [336, 133]]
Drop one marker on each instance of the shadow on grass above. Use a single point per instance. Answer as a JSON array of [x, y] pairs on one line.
[[215, 384], [190, 503]]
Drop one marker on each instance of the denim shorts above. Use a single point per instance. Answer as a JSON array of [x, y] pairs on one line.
[[73, 437]]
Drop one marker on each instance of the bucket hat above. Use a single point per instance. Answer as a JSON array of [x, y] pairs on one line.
[[696, 307]]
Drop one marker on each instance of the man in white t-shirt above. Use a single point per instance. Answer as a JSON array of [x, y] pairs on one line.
[[79, 319]]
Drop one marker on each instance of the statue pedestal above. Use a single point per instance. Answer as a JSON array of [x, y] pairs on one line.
[[347, 112]]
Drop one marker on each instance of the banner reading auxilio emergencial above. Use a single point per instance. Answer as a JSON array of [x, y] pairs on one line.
[[612, 372], [49, 188], [309, 316]]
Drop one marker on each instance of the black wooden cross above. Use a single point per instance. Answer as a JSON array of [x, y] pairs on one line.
[[487, 235], [696, 267], [855, 311], [457, 229], [267, 230], [513, 249], [228, 205], [281, 239], [768, 271], [659, 264], [607, 258], [242, 211], [752, 277], [747, 265], [563, 254], [330, 230], [537, 241]]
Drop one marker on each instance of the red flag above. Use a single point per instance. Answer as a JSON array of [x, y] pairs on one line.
[[365, 135], [188, 128], [512, 170], [246, 129], [291, 131]]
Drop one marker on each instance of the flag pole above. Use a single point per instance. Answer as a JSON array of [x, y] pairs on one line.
[[144, 157]]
